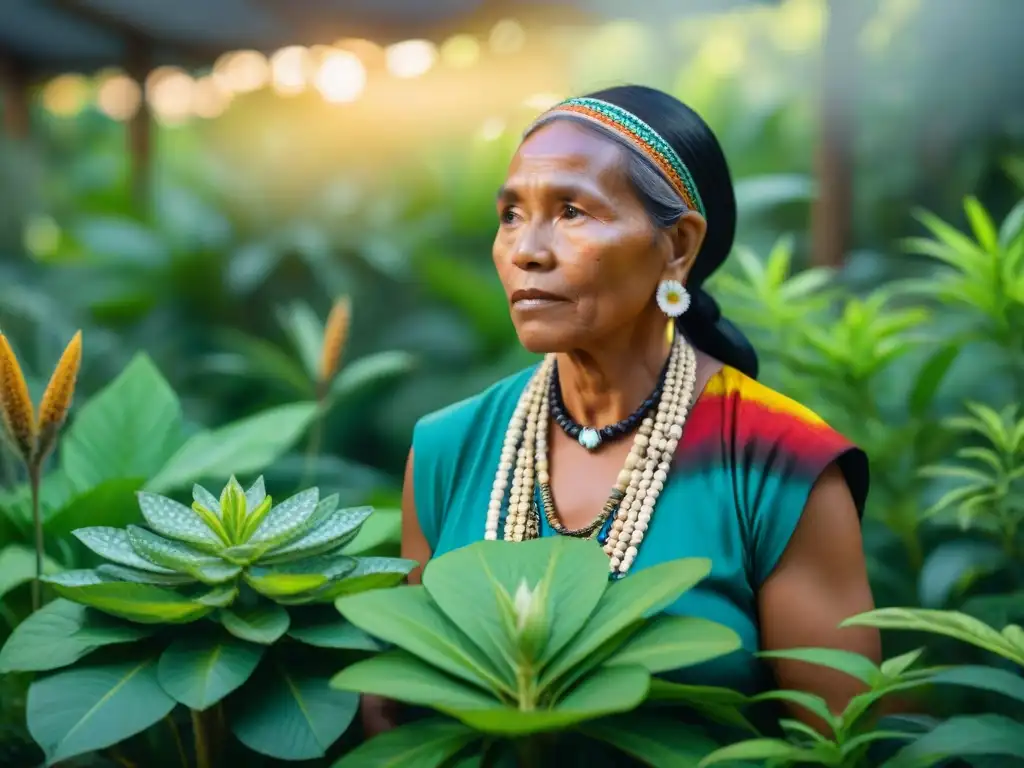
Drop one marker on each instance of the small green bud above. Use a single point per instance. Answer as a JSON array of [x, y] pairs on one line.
[[530, 606]]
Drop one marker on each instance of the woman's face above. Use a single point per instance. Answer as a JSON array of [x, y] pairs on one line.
[[578, 256]]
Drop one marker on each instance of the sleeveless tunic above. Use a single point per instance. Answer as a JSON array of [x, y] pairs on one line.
[[737, 487]]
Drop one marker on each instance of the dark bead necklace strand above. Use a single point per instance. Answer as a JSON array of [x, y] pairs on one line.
[[589, 437]]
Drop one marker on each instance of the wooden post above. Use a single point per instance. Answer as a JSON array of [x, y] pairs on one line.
[[14, 85], [832, 212], [139, 128]]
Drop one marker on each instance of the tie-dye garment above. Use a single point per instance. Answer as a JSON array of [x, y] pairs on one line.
[[741, 477]]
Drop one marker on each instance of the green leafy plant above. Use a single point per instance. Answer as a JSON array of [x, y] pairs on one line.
[[851, 732], [516, 642], [207, 597]]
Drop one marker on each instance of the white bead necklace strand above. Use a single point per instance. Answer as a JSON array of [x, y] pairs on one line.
[[524, 455]]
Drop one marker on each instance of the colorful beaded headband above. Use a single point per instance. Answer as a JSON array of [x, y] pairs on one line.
[[644, 138]]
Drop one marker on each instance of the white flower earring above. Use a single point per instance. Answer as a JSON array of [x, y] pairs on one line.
[[673, 298]]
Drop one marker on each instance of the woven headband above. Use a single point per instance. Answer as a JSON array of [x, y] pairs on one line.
[[644, 138]]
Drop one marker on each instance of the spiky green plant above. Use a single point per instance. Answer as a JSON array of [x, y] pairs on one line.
[[217, 603]]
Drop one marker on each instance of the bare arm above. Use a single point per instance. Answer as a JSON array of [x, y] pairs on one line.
[[379, 714], [820, 580]]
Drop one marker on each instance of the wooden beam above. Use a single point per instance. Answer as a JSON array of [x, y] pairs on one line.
[[139, 128], [832, 212], [14, 86]]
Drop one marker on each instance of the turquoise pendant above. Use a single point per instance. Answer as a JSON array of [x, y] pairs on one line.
[[589, 438]]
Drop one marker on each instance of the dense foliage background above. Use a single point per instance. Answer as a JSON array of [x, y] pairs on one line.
[[260, 219]]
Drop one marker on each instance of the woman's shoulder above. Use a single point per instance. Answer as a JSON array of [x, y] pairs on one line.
[[770, 432]]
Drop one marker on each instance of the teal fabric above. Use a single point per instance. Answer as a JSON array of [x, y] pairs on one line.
[[741, 477]]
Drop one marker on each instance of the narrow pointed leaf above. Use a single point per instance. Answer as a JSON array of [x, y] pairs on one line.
[[181, 557], [853, 664], [265, 623], [114, 544], [202, 496], [327, 535], [279, 584], [60, 633], [89, 708], [370, 573], [290, 715], [198, 670], [124, 573], [144, 603], [256, 493], [963, 736], [176, 521], [427, 744], [288, 518], [769, 749]]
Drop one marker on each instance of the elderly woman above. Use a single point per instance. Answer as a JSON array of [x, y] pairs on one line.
[[644, 427]]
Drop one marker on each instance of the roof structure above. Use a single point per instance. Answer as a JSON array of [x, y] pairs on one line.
[[44, 37]]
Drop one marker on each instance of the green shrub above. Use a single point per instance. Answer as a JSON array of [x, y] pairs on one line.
[[191, 609]]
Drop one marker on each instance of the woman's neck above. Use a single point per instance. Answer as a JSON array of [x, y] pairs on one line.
[[604, 385]]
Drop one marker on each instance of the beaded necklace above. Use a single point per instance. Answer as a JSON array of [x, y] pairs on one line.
[[523, 464], [589, 437]]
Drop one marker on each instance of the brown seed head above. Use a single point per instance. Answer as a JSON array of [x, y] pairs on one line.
[[335, 337], [57, 397], [15, 403]]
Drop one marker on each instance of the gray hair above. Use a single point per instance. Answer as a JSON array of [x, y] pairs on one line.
[[659, 198]]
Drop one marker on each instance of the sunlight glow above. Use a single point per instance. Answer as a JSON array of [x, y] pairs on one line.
[[341, 77], [289, 70], [119, 97], [460, 51], [507, 36], [410, 58], [242, 71], [66, 95]]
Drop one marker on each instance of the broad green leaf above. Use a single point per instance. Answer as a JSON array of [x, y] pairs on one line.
[[425, 744], [129, 429], [401, 676], [306, 332], [954, 624], [143, 603], [763, 749], [334, 632], [111, 503], [176, 521], [464, 583], [60, 633], [983, 678], [290, 714], [657, 741], [674, 642], [242, 447], [180, 557], [263, 623], [949, 567], [288, 518], [18, 566], [853, 664], [638, 595], [114, 544], [607, 691], [369, 370], [963, 736], [408, 618], [331, 532], [201, 668], [89, 708]]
